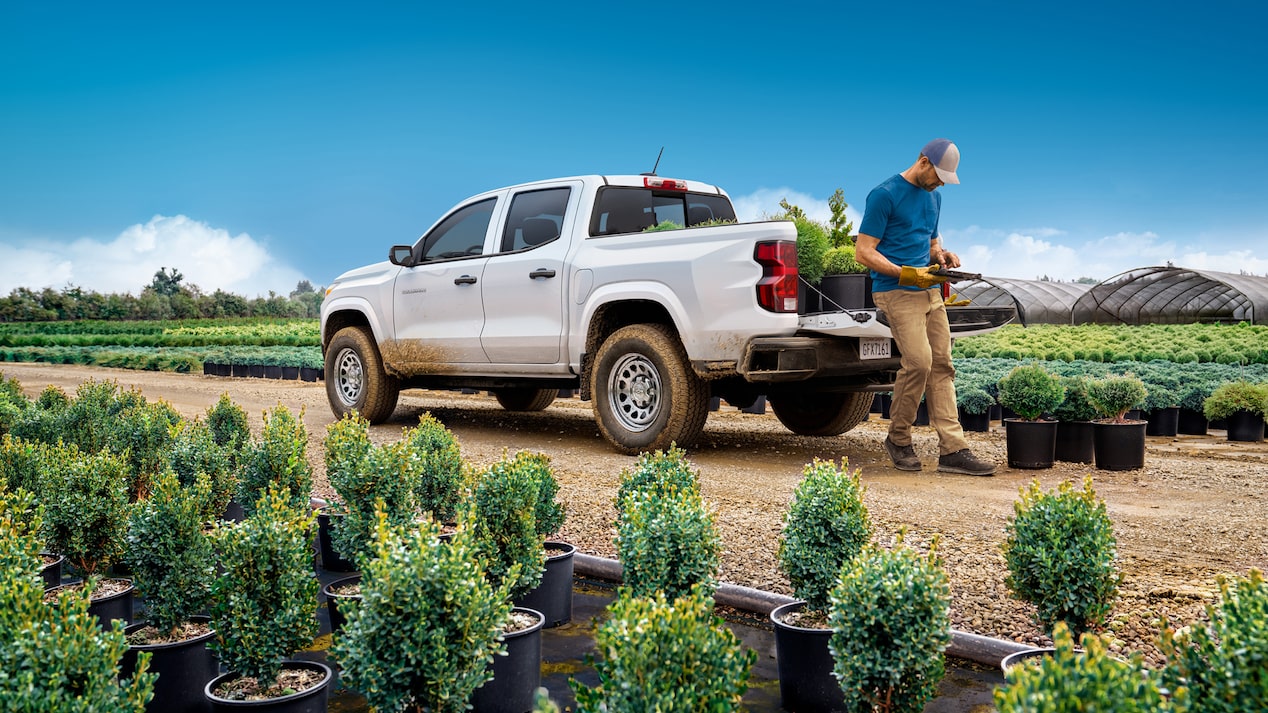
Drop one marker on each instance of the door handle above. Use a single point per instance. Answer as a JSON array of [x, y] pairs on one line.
[[540, 272], [464, 280]]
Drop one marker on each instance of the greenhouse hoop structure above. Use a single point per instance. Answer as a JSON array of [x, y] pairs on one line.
[[1144, 295], [1037, 301]]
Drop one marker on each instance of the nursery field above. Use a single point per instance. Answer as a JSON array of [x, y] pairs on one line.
[[1194, 512], [179, 345]]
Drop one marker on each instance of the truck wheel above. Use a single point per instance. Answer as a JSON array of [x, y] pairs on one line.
[[821, 414], [525, 399], [355, 379], [646, 396]]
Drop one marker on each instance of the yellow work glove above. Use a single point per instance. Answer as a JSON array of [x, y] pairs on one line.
[[921, 277], [955, 301]]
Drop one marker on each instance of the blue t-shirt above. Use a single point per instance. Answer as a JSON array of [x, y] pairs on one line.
[[904, 218]]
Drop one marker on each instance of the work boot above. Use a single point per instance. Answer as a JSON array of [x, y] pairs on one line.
[[963, 461], [904, 457]]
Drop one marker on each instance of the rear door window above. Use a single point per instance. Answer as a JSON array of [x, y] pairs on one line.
[[631, 210], [536, 218]]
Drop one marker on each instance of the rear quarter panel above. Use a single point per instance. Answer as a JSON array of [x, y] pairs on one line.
[[704, 277]]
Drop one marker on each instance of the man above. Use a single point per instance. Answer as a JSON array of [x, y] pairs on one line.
[[899, 241]]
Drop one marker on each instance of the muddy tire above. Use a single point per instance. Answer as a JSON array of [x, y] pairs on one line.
[[355, 379], [645, 395], [525, 399], [821, 414]]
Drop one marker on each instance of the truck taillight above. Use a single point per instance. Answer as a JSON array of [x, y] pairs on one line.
[[777, 290], [664, 184]]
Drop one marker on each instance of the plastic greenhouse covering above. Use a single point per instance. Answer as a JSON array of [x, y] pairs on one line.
[[1174, 295], [1145, 295], [1037, 301]]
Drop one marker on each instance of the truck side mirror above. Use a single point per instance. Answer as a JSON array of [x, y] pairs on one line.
[[402, 255]]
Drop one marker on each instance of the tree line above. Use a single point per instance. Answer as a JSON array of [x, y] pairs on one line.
[[166, 297]]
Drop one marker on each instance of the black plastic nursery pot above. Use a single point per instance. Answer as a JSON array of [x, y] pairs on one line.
[[108, 608], [1120, 446], [806, 683], [183, 668], [1163, 422], [336, 603], [1030, 444], [330, 559], [846, 291], [978, 422], [1191, 422], [1075, 442], [516, 676], [312, 700], [52, 572], [1245, 426], [553, 597]]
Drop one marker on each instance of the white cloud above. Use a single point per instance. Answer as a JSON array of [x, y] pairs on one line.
[[208, 257], [765, 201], [1027, 255]]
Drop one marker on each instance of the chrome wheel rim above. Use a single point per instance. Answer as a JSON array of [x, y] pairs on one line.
[[349, 377], [634, 392]]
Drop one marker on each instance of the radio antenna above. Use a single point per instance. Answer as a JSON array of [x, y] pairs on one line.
[[657, 164]]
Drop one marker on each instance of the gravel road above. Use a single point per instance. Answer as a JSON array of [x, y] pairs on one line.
[[1195, 510]]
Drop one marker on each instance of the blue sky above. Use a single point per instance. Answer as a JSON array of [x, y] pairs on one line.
[[251, 145]]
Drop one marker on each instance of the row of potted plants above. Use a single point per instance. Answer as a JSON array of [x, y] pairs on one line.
[[1175, 395], [886, 622], [1085, 420]]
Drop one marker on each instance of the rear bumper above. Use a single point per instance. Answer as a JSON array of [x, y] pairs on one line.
[[828, 348], [798, 358]]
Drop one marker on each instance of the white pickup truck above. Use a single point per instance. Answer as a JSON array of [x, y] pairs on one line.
[[527, 290]]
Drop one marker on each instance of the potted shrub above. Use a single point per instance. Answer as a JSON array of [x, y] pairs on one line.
[[1221, 662], [974, 406], [1070, 679], [172, 565], [264, 609], [666, 654], [1060, 551], [661, 471], [439, 478], [667, 540], [429, 623], [379, 484], [278, 460], [846, 283], [232, 431], [195, 453], [812, 248], [1119, 442], [553, 596], [504, 503], [825, 528], [1030, 391], [85, 499], [56, 658], [1162, 410], [346, 444], [1243, 405], [1074, 416], [1192, 419], [890, 623]]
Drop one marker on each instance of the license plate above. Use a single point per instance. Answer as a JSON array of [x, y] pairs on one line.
[[873, 348]]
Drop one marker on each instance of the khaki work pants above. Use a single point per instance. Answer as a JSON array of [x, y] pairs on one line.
[[918, 321]]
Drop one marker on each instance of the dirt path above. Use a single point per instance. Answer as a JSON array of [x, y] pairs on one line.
[[1196, 510]]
